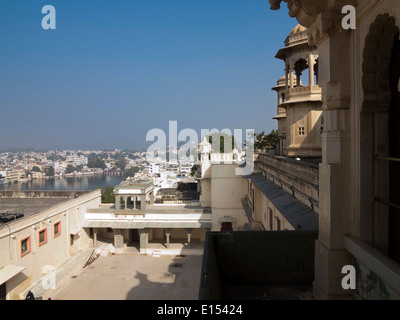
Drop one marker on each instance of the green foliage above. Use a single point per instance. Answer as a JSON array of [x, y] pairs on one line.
[[97, 163], [107, 195], [131, 172], [263, 141], [49, 171], [194, 170], [121, 162], [70, 168]]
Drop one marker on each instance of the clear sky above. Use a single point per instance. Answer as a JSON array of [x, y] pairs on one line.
[[113, 70]]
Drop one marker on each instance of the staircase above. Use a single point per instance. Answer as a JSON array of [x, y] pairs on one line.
[[156, 253]]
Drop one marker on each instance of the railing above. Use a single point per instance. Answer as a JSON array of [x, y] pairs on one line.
[[93, 256], [308, 172], [304, 91]]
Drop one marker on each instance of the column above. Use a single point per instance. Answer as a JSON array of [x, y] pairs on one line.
[[119, 241], [118, 202], [291, 77], [144, 240], [151, 198], [167, 235], [287, 76], [142, 202], [134, 202], [189, 234], [311, 70], [95, 232]]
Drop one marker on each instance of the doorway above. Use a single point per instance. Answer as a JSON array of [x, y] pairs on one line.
[[226, 226], [3, 291]]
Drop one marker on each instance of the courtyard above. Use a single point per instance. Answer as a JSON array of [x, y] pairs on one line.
[[132, 276]]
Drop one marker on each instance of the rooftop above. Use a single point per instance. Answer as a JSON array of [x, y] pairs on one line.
[[29, 203]]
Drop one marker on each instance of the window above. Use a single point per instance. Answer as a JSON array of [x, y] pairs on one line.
[[271, 221], [57, 229], [42, 237], [301, 131], [278, 224], [25, 246]]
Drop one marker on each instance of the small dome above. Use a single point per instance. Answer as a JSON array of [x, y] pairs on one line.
[[298, 29]]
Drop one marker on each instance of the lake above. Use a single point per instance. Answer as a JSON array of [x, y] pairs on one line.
[[67, 183]]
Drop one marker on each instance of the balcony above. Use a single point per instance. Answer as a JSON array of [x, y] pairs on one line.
[[303, 93]]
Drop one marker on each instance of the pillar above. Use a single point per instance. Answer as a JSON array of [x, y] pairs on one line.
[[151, 198], [144, 240], [142, 202], [119, 241], [95, 232], [167, 235], [118, 202], [134, 202], [311, 70], [189, 234]]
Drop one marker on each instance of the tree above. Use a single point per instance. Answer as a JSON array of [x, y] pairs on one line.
[[49, 171], [194, 170], [121, 162], [70, 169], [107, 195], [97, 163], [131, 172], [263, 141]]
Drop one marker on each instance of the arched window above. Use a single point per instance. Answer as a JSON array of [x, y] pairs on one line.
[[380, 139]]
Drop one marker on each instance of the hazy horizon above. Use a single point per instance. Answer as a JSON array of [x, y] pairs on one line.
[[111, 72]]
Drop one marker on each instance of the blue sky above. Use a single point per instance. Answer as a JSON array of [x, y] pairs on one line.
[[113, 70]]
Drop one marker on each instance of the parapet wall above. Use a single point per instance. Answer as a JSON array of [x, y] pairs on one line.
[[300, 179], [41, 194]]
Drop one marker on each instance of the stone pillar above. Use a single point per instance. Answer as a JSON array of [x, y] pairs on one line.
[[311, 70], [134, 202], [144, 240], [151, 198], [335, 171], [142, 202], [291, 76], [167, 235], [118, 202], [189, 234], [119, 241], [95, 232]]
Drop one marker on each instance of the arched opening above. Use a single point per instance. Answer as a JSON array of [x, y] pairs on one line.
[[299, 66], [380, 139]]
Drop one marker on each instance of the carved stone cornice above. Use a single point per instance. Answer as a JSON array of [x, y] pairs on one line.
[[307, 11]]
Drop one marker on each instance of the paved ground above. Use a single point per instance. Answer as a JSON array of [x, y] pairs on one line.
[[134, 277]]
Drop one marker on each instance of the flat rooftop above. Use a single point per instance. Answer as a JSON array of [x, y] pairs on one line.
[[30, 203]]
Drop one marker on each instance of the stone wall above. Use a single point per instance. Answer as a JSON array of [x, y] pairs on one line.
[[299, 179]]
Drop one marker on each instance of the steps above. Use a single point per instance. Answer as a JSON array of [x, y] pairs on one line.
[[156, 253]]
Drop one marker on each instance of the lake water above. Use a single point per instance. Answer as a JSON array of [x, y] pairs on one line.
[[67, 183]]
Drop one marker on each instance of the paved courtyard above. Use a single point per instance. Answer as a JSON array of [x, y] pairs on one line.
[[135, 277]]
